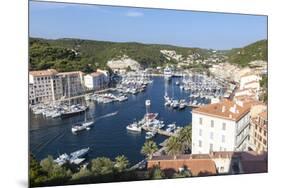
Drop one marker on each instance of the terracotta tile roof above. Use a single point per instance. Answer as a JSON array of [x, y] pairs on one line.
[[198, 167], [253, 163], [226, 109], [96, 74], [71, 73], [203, 164], [48, 72]]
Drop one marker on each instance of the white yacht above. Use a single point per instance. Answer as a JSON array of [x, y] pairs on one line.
[[167, 73], [134, 127]]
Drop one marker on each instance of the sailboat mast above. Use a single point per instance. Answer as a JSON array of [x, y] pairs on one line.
[[68, 88]]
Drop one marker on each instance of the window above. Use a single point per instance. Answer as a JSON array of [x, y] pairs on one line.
[[211, 147], [200, 132], [264, 141], [200, 143], [260, 130], [264, 133], [223, 126], [212, 123], [222, 138], [211, 135], [200, 121]]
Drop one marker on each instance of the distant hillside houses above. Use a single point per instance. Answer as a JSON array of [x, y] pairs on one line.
[[172, 54], [122, 64], [249, 85]]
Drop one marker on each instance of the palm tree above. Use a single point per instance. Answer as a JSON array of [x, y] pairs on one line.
[[121, 163], [174, 146], [185, 136], [149, 148]]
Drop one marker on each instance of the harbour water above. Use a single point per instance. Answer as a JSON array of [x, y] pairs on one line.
[[108, 136]]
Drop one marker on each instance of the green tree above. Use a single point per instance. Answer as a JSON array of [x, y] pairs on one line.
[[102, 166], [157, 173], [58, 172], [149, 148], [174, 146], [47, 164], [183, 174], [121, 163], [37, 174], [84, 172]]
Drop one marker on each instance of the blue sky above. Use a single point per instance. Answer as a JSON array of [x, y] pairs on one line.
[[124, 24]]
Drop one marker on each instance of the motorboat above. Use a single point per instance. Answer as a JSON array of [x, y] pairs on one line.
[[81, 126], [79, 153], [147, 103], [149, 135], [134, 127], [175, 104], [122, 98], [171, 127], [62, 159]]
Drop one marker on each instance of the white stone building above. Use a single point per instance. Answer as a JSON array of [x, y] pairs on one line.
[[222, 126], [44, 86], [96, 80]]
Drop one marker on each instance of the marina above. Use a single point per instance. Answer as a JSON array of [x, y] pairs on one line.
[[116, 121], [108, 135]]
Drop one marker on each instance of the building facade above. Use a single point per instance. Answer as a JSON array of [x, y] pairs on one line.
[[97, 80], [73, 83], [44, 86], [258, 130], [222, 126]]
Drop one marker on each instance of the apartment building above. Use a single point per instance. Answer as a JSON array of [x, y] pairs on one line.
[[97, 80], [44, 86], [258, 130], [222, 126], [73, 83]]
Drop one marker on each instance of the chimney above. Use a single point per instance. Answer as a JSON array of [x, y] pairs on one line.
[[223, 109]]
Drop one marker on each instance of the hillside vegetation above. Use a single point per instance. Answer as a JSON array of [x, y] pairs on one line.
[[243, 56], [87, 55]]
